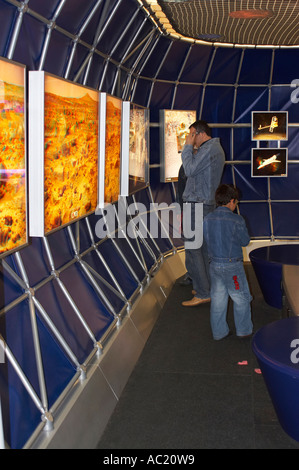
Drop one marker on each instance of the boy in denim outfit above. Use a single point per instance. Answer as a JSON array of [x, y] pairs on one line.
[[226, 233]]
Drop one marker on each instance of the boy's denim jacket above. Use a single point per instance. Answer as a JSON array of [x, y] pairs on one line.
[[203, 170], [225, 233]]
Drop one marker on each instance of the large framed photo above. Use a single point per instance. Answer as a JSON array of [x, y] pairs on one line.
[[63, 146], [135, 149], [13, 187], [269, 162], [269, 125], [110, 148], [174, 126]]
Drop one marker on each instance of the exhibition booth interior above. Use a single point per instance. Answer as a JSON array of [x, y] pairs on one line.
[[96, 99]]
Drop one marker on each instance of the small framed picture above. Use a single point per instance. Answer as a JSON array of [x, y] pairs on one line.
[[269, 162], [269, 125]]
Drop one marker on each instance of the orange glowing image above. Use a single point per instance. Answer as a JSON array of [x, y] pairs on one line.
[[71, 152], [250, 14], [113, 149], [13, 230]]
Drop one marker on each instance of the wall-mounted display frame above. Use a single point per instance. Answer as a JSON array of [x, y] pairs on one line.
[[269, 162], [63, 152], [135, 149], [13, 158], [269, 125], [174, 126], [110, 149]]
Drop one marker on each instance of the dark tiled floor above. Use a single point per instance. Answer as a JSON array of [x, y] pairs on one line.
[[188, 391]]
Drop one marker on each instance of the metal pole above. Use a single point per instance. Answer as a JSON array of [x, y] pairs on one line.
[[2, 442]]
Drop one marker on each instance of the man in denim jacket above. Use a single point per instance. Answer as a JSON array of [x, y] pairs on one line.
[[226, 233], [203, 160]]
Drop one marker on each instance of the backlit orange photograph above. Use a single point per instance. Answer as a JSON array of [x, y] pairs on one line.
[[13, 218], [71, 152], [113, 149]]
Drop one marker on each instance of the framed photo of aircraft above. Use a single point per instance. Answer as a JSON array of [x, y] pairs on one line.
[[269, 125], [269, 162]]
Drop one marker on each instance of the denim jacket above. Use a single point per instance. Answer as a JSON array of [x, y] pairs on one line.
[[225, 233], [203, 170]]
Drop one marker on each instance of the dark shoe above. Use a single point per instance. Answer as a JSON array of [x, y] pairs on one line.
[[245, 336], [195, 301], [186, 281]]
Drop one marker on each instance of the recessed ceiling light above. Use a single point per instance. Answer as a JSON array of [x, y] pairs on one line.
[[250, 14]]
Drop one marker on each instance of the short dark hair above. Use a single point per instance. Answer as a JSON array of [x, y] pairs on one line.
[[201, 126], [225, 193]]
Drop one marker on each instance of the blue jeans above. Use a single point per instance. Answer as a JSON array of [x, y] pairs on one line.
[[229, 280], [197, 263]]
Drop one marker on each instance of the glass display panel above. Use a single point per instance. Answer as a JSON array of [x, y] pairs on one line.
[[174, 126], [13, 188]]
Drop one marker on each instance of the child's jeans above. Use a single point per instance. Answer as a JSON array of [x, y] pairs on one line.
[[229, 280]]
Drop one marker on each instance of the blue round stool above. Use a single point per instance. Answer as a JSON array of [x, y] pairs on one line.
[[267, 263], [277, 353]]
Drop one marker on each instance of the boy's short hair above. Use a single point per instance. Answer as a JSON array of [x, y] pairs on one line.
[[225, 193], [201, 126]]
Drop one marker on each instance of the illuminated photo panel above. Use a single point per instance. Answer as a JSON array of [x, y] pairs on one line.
[[110, 148], [269, 162], [174, 126], [269, 125], [135, 148], [139, 148], [63, 154], [13, 200]]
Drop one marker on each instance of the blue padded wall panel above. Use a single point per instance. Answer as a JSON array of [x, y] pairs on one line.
[[141, 92], [61, 248], [256, 66], [252, 189], [159, 50], [35, 261], [118, 269], [241, 136], [88, 302], [250, 99], [73, 15], [225, 66], [10, 290], [175, 60], [286, 188], [292, 144], [161, 98], [9, 13], [45, 9], [281, 100], [55, 63], [197, 66], [21, 415], [283, 222], [257, 218], [285, 66], [188, 97], [30, 42], [218, 104], [63, 316]]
